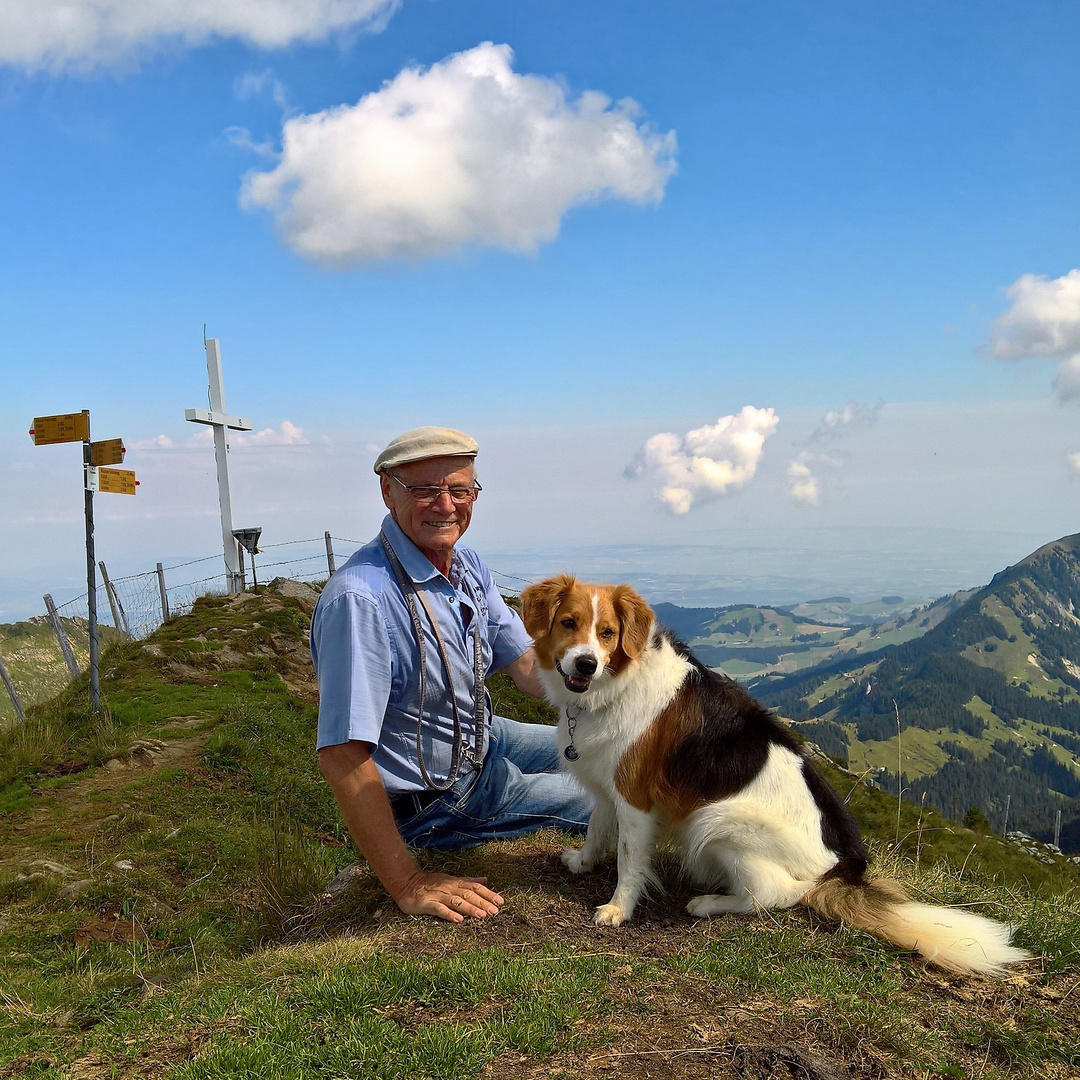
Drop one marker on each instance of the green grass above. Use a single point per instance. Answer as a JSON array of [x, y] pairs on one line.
[[192, 948]]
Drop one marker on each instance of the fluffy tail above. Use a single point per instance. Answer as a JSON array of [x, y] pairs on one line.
[[955, 940]]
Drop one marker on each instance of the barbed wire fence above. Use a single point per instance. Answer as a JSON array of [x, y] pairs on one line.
[[140, 603]]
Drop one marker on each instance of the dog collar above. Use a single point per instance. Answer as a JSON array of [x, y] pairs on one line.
[[570, 753]]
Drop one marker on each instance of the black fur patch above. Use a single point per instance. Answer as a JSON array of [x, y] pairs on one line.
[[733, 743], [838, 829], [732, 747]]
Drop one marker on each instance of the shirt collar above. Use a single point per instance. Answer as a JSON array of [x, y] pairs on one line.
[[416, 563]]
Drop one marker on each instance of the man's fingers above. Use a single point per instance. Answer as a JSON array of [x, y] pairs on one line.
[[453, 899]]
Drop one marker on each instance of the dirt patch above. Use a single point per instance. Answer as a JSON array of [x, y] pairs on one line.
[[110, 928], [159, 1057]]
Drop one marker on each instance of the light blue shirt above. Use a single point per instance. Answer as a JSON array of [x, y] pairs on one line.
[[363, 644]]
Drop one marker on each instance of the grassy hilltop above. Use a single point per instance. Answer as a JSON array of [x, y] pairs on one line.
[[163, 913]]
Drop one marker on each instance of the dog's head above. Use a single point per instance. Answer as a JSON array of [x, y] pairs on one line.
[[585, 632]]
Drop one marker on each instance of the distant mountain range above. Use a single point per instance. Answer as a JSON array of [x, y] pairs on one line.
[[982, 709]]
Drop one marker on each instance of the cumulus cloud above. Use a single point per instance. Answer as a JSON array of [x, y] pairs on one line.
[[707, 462], [286, 434], [802, 484], [821, 454], [464, 152], [77, 35], [1043, 320]]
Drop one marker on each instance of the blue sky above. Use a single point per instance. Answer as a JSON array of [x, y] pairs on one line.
[[837, 197]]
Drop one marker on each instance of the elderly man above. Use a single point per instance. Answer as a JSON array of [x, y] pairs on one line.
[[403, 637]]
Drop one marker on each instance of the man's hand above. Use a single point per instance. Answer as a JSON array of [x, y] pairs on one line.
[[450, 898], [360, 794]]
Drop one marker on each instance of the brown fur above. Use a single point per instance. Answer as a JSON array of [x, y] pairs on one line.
[[635, 620], [546, 605], [875, 906], [642, 778]]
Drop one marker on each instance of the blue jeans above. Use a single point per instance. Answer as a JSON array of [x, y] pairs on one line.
[[520, 789]]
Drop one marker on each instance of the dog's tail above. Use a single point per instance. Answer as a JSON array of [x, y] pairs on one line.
[[958, 941]]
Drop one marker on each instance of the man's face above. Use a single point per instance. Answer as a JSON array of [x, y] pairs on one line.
[[434, 527]]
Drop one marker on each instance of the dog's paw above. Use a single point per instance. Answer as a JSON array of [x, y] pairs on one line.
[[713, 904], [610, 915], [575, 862]]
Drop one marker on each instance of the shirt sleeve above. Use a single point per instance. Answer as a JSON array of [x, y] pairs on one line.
[[350, 647], [509, 641]]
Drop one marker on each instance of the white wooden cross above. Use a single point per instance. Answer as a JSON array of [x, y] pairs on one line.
[[219, 420]]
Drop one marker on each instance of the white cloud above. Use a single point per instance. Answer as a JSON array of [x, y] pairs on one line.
[[1074, 461], [286, 434], [849, 417], [78, 35], [804, 485], [464, 152], [1043, 320], [158, 442], [706, 462], [257, 84], [1067, 379]]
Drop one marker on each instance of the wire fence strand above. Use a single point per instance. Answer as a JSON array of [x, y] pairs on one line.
[[136, 601]]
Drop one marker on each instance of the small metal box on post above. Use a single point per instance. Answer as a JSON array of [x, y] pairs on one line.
[[75, 427], [248, 539]]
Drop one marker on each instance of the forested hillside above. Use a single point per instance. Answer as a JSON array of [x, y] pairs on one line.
[[981, 711]]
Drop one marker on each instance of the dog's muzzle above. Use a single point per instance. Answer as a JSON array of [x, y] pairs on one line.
[[580, 678]]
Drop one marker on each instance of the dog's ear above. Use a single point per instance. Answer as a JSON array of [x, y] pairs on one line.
[[540, 602], [635, 618]]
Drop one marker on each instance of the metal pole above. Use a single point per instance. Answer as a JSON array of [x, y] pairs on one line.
[[91, 577], [19, 715], [164, 594], [330, 554], [1005, 827], [58, 630], [118, 617], [1057, 831]]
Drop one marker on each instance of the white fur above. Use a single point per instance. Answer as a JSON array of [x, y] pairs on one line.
[[610, 717], [763, 844]]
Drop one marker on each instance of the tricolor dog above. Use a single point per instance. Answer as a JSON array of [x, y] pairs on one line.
[[663, 743]]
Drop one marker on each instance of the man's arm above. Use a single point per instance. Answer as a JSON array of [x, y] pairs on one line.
[[364, 805], [525, 672]]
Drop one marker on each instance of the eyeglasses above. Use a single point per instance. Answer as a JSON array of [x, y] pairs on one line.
[[428, 493]]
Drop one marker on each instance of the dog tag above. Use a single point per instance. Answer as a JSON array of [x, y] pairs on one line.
[[570, 753]]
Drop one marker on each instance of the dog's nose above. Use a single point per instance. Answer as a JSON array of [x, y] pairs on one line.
[[585, 665]]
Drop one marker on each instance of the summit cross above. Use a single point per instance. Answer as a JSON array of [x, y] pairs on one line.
[[217, 418]]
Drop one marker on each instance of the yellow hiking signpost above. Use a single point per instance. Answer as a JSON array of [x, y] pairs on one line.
[[107, 452], [113, 481], [75, 427], [66, 427]]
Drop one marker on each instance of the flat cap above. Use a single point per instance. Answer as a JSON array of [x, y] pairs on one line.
[[426, 442]]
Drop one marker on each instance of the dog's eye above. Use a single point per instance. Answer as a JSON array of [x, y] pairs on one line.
[[607, 633], [568, 623]]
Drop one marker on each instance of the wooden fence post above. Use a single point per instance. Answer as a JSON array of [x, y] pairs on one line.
[[164, 594], [119, 616], [10, 686], [58, 629], [330, 554]]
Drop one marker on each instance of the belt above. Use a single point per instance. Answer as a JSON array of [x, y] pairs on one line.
[[413, 802]]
